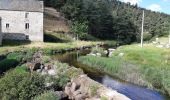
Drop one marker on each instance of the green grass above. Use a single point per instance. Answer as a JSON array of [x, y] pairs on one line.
[[45, 46], [49, 95], [148, 66]]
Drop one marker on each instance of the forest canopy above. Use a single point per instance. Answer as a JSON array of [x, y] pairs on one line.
[[111, 19]]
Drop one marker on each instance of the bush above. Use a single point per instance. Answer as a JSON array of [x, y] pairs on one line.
[[21, 69], [50, 95], [62, 81], [6, 64], [15, 58], [18, 56], [93, 89], [21, 86], [97, 50]]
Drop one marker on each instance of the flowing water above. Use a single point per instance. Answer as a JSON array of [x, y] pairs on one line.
[[132, 91]]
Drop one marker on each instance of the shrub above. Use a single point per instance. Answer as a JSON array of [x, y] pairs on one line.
[[97, 50], [6, 64], [21, 86], [103, 98], [46, 59], [21, 69], [16, 55], [49, 95], [73, 72], [93, 89], [62, 80]]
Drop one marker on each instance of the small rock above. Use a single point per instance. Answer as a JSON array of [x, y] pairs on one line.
[[49, 84], [160, 46], [60, 94], [98, 54], [44, 72], [111, 49], [39, 70], [51, 72], [168, 46], [73, 87], [121, 54], [80, 97], [91, 54], [110, 54], [154, 42], [105, 52], [46, 68]]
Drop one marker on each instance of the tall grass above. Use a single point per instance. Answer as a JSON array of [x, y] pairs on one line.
[[148, 66]]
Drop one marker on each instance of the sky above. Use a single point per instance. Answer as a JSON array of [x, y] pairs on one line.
[[154, 5]]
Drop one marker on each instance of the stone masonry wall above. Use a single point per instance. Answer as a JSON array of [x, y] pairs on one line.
[[17, 20], [0, 38], [0, 33]]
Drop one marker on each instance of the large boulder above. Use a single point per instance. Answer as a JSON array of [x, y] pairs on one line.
[[84, 88]]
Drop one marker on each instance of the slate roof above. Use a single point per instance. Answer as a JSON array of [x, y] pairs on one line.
[[22, 5]]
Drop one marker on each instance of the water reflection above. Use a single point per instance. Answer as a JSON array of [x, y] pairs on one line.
[[132, 91]]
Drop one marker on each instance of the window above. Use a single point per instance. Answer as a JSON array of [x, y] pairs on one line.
[[7, 25], [26, 15], [27, 26], [27, 37]]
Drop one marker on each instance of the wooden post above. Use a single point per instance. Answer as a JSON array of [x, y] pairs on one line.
[[142, 28]]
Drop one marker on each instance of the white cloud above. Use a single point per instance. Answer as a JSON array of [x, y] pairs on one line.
[[133, 2], [166, 0], [155, 7]]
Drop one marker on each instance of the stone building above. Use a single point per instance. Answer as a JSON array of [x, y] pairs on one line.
[[21, 20], [0, 33]]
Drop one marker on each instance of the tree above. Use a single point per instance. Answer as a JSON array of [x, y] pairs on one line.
[[21, 86]]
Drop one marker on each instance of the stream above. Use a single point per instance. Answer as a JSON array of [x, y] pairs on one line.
[[132, 91]]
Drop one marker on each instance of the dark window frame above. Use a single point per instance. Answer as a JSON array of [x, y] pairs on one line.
[[7, 25], [26, 15], [27, 37], [27, 26]]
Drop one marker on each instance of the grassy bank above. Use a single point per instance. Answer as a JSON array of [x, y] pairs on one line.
[[18, 46], [148, 66]]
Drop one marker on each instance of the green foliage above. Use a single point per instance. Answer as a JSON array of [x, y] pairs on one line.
[[16, 56], [101, 63], [6, 64], [46, 59], [21, 86], [21, 69], [49, 95], [62, 80], [112, 19], [150, 64], [93, 89], [54, 3], [79, 28], [74, 72], [97, 50], [103, 98]]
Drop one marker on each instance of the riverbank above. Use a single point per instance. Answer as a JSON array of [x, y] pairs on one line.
[[40, 76], [44, 46], [148, 66]]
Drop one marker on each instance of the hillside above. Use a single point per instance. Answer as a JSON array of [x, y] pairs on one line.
[[54, 21], [111, 19]]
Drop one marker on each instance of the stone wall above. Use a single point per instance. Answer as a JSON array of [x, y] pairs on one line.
[[14, 36], [0, 33], [17, 21], [0, 38]]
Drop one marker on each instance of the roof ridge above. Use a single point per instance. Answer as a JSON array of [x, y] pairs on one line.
[[22, 5]]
